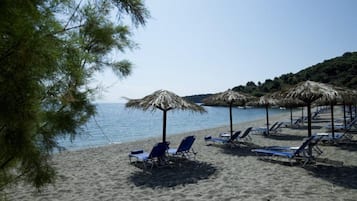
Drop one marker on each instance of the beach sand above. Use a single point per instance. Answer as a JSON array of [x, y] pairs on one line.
[[218, 173]]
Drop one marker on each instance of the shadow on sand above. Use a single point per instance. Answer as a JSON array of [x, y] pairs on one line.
[[304, 127], [329, 170], [237, 149], [345, 176], [242, 150], [348, 145], [282, 136], [182, 172], [320, 120]]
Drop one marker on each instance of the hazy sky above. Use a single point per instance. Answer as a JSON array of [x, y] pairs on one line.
[[207, 46]]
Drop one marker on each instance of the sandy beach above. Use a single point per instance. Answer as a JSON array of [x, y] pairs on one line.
[[218, 173]]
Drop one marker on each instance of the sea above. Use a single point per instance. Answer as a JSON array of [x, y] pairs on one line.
[[115, 124]]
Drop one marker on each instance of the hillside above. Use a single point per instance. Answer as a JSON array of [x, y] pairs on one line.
[[340, 71]]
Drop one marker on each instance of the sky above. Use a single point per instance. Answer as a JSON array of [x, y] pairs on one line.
[[208, 46]]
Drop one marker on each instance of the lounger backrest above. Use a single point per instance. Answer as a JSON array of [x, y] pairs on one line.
[[186, 144], [316, 139], [272, 127], [352, 123], [304, 145], [246, 132], [234, 136], [315, 115], [277, 126], [299, 120], [158, 150]]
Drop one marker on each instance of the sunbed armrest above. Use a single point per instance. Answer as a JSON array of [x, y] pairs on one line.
[[208, 137], [137, 152]]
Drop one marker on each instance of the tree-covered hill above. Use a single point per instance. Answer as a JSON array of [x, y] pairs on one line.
[[340, 71]]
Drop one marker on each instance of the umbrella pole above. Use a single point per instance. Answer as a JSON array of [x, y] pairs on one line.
[[309, 125], [267, 115], [344, 114], [164, 127], [302, 115], [231, 118], [291, 116], [309, 119], [332, 122]]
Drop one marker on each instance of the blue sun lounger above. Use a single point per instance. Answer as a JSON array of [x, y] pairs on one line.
[[272, 130], [156, 155], [185, 149], [342, 127], [327, 138], [245, 135], [314, 144], [300, 153], [223, 140]]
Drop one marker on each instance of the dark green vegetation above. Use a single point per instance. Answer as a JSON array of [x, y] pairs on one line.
[[339, 71], [49, 52], [197, 98]]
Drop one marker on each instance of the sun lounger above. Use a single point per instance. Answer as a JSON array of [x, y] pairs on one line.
[[299, 154], [185, 149], [314, 144], [155, 157], [222, 140], [296, 123], [244, 137], [315, 115], [275, 128], [263, 130], [327, 138], [342, 127]]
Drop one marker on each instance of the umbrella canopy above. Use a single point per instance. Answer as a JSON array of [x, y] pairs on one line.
[[347, 97], [164, 101], [350, 98], [231, 98], [310, 91]]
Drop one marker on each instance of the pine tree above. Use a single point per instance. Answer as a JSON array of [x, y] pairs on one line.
[[49, 52]]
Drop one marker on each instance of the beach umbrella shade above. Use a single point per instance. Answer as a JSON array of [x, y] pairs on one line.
[[352, 101], [291, 103], [266, 101], [309, 92], [345, 96], [348, 97], [229, 98], [165, 101]]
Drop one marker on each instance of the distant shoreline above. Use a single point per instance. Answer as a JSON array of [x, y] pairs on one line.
[[113, 124]]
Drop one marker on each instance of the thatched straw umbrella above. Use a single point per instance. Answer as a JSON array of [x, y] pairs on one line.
[[351, 100], [230, 98], [165, 101], [310, 91], [347, 97], [266, 101]]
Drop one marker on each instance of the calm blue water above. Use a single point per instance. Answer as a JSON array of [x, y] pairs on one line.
[[116, 124]]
